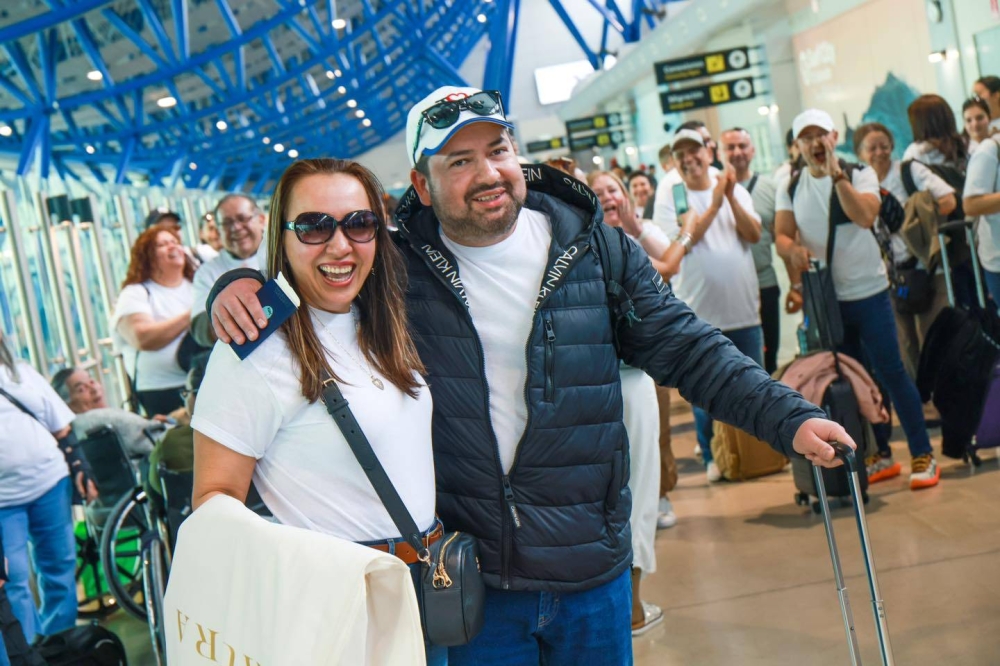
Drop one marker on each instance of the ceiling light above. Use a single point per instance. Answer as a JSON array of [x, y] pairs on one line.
[[630, 150], [293, 153], [193, 166], [90, 150], [221, 125], [763, 110], [775, 108], [339, 24], [337, 72], [329, 74], [6, 130], [341, 89], [352, 103], [279, 148], [266, 140], [359, 113], [598, 159], [366, 122], [936, 56], [481, 18], [166, 102], [94, 75]]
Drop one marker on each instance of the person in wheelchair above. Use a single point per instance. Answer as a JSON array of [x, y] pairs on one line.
[[175, 451], [85, 396]]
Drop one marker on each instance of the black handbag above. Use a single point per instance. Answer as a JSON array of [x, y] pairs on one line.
[[451, 582]]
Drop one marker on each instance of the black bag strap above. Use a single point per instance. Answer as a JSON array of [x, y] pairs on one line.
[[20, 405], [609, 252], [336, 405], [753, 183]]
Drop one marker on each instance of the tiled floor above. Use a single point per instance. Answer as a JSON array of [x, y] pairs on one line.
[[745, 576]]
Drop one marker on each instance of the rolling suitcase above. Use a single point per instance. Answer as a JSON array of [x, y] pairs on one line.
[[839, 401], [852, 467], [960, 365]]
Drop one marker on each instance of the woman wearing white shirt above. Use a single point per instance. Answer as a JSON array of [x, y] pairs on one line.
[[976, 121], [873, 144], [982, 197], [152, 314], [327, 235], [35, 487], [642, 414], [987, 88]]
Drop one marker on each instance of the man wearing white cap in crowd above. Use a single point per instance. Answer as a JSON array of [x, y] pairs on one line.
[[510, 312], [717, 278], [832, 201]]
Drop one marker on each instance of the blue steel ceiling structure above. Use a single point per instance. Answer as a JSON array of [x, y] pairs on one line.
[[222, 93]]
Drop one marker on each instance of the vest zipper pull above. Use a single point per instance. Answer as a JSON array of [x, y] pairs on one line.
[[508, 494]]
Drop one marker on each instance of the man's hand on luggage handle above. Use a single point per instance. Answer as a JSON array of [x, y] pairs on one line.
[[235, 310], [813, 438]]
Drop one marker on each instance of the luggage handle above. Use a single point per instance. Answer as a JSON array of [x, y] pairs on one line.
[[946, 264], [849, 456]]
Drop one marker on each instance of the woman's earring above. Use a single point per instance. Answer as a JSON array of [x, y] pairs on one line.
[[374, 266]]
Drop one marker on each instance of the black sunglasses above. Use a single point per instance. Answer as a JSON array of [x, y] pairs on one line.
[[359, 226], [446, 112]]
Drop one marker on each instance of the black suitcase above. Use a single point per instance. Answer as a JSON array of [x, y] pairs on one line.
[[90, 645]]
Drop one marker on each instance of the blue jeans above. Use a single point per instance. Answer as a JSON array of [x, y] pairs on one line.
[[750, 341], [4, 660], [554, 628], [870, 337], [993, 286], [47, 524]]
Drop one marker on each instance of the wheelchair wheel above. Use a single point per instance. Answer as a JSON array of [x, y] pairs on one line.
[[122, 552], [94, 599], [154, 576]]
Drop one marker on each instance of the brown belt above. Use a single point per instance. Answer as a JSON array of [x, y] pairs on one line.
[[404, 550]]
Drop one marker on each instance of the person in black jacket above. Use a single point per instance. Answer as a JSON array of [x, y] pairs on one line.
[[508, 305]]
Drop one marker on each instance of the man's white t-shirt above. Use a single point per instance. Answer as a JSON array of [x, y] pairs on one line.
[[925, 180], [502, 282], [157, 369], [663, 204], [31, 463], [717, 278], [858, 270], [983, 177], [306, 473], [210, 271]]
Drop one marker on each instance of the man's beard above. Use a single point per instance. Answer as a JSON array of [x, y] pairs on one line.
[[462, 223]]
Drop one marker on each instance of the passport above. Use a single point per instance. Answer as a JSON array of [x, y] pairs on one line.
[[279, 302]]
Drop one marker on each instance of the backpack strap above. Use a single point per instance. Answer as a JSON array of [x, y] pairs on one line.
[[609, 252], [753, 183], [906, 173]]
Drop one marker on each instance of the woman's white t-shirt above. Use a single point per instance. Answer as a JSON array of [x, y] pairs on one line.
[[717, 278], [306, 473], [30, 460], [925, 180], [983, 177], [858, 270], [157, 369]]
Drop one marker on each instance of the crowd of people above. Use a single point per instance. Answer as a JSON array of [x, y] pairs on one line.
[[527, 386]]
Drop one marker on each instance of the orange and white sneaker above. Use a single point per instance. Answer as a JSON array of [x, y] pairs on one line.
[[924, 472], [881, 468]]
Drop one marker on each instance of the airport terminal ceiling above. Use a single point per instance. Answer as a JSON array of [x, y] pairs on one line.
[[220, 94]]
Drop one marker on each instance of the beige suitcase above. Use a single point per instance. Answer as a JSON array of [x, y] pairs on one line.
[[741, 456]]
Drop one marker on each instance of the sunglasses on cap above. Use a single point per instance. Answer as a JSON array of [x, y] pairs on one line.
[[445, 113], [359, 226]]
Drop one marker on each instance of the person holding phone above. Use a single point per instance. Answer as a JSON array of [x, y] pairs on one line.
[[712, 217]]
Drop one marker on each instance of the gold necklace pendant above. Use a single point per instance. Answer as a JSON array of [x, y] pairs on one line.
[[378, 383]]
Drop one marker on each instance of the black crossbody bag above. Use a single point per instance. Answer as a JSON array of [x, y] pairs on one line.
[[454, 594]]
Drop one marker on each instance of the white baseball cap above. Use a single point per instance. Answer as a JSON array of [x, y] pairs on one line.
[[812, 118], [422, 138], [687, 135]]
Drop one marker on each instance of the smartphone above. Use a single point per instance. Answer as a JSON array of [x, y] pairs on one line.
[[680, 199]]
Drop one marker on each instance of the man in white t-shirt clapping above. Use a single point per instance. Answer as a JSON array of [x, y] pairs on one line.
[[717, 278], [241, 224]]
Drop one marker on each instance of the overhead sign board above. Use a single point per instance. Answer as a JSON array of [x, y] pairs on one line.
[[590, 123], [548, 144], [702, 65], [700, 97], [608, 139]]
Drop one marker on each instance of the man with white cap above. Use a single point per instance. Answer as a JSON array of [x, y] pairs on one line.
[[831, 201], [716, 277], [509, 305]]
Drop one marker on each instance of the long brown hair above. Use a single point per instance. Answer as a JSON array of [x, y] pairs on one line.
[[932, 120], [383, 332], [140, 266]]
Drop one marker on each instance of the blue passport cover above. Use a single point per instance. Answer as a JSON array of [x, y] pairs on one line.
[[279, 303]]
